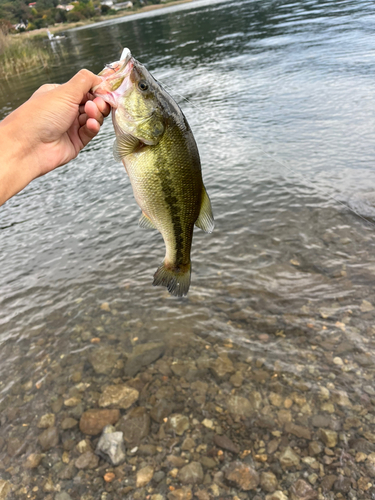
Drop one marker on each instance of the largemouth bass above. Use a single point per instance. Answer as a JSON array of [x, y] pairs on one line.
[[160, 155]]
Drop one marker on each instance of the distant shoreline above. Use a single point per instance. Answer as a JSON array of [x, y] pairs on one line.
[[90, 22]]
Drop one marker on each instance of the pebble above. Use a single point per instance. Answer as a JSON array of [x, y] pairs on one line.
[[135, 426], [63, 496], [143, 355], [226, 444], [118, 396], [179, 423], [208, 423], [33, 460], [5, 489], [103, 360], [49, 438], [191, 473], [68, 423], [144, 476], [277, 495], [87, 461], [301, 490], [47, 420], [244, 476], [268, 482], [111, 446], [188, 444], [180, 494], [288, 458], [328, 437], [92, 422], [238, 405]]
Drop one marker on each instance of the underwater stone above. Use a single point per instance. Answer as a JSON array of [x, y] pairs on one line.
[[111, 446]]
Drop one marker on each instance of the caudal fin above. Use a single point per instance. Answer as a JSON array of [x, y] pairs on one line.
[[176, 279]]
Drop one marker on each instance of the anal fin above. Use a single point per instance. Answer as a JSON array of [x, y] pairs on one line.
[[205, 219], [146, 223]]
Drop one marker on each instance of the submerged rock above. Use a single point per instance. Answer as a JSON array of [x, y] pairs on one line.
[[93, 421], [179, 423], [5, 488], [87, 461], [118, 396], [103, 360], [49, 438], [244, 476], [144, 476], [135, 426], [111, 446], [143, 355], [191, 473]]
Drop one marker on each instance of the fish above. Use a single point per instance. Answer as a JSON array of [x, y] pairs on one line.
[[156, 145]]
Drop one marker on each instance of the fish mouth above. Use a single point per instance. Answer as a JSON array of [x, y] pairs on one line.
[[116, 79]]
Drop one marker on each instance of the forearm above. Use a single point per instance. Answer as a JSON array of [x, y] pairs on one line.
[[16, 166]]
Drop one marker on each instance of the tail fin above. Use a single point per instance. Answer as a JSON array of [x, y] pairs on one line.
[[176, 279]]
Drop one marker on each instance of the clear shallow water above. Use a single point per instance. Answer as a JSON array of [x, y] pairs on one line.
[[281, 104]]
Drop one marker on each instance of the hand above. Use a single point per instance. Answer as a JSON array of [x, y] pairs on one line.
[[48, 130]]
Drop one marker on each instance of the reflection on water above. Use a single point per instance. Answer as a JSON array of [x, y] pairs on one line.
[[259, 384]]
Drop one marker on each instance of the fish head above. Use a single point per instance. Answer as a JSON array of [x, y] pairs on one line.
[[134, 96]]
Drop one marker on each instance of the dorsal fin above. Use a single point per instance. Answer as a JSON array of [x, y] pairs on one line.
[[205, 220], [124, 145]]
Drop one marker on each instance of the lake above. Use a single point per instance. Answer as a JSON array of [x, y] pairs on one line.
[[258, 384]]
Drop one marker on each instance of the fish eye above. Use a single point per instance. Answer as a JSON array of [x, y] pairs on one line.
[[143, 85]]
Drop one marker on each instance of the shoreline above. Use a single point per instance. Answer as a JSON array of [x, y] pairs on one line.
[[91, 22]]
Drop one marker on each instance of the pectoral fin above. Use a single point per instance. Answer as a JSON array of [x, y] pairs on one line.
[[205, 220], [146, 223], [124, 145]]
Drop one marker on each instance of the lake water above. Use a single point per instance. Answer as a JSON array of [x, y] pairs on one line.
[[273, 348]]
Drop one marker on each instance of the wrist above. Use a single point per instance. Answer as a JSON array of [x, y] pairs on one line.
[[16, 166]]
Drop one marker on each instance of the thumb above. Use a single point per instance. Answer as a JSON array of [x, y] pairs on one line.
[[81, 83]]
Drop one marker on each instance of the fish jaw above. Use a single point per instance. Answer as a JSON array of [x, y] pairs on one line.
[[116, 79]]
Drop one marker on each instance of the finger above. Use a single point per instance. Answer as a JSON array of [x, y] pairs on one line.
[[89, 131], [80, 84], [82, 119], [92, 111], [103, 106]]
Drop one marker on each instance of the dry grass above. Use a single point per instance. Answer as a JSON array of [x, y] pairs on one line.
[[20, 54]]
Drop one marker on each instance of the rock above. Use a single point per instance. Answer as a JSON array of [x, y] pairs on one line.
[[208, 462], [143, 355], [239, 406], [179, 423], [328, 437], [277, 495], [191, 473], [328, 482], [135, 426], [315, 448], [244, 476], [161, 410], [321, 421], [68, 423], [118, 396], [15, 447], [68, 472], [63, 496], [268, 482], [222, 366], [111, 446], [175, 461], [5, 489], [103, 360], [105, 307], [226, 444], [147, 450], [298, 430], [288, 458], [237, 379], [87, 461], [276, 399], [144, 476], [188, 444], [208, 423], [301, 490], [180, 494], [49, 438], [366, 306], [93, 421], [33, 461], [47, 420], [342, 484]]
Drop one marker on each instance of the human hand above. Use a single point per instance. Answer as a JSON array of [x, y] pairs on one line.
[[49, 130]]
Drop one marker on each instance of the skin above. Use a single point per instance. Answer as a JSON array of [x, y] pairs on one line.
[[48, 131]]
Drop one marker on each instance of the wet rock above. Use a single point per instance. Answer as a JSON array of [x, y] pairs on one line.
[[298, 430], [47, 420], [288, 458], [342, 484], [268, 482], [111, 446], [68, 472], [93, 421], [15, 447], [226, 444], [191, 473], [277, 495], [33, 461], [68, 423], [188, 444], [87, 461], [103, 360], [301, 490], [180, 494], [135, 426], [49, 438], [320, 421], [179, 423], [161, 410], [147, 450], [237, 379], [118, 396], [222, 366], [5, 489], [63, 496], [238, 405], [328, 482], [245, 477], [175, 461], [366, 306], [328, 437], [144, 476], [143, 355], [315, 448], [208, 462]]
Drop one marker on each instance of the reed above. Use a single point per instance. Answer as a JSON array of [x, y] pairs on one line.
[[20, 53]]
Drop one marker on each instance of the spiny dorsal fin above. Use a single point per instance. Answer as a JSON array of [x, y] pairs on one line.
[[124, 145], [146, 223], [205, 220]]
